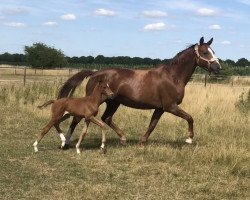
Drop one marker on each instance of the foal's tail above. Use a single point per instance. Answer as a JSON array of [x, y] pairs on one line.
[[46, 104], [70, 85]]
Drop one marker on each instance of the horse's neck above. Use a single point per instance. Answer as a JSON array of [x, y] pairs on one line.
[[183, 70]]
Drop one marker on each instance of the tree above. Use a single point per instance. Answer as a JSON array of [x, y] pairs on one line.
[[230, 62], [243, 62], [41, 55]]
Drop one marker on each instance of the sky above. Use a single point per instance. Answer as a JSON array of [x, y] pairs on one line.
[[143, 28]]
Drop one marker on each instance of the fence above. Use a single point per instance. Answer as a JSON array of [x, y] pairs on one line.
[[22, 74]]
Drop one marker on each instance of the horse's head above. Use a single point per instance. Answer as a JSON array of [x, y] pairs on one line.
[[206, 58]]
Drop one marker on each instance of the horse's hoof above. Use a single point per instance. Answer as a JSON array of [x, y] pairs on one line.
[[78, 151], [142, 144], [65, 147], [103, 150], [189, 141]]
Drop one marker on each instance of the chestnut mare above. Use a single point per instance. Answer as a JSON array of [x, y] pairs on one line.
[[160, 88], [86, 107]]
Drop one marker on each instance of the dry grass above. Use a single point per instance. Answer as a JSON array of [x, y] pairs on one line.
[[216, 166]]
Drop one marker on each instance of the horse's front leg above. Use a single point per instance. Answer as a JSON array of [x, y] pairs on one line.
[[176, 110], [154, 120]]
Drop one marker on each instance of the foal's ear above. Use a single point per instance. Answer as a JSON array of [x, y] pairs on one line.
[[201, 40], [210, 41]]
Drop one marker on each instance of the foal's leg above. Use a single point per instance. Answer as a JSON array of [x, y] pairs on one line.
[[176, 110], [154, 120], [111, 108], [71, 129], [44, 131], [59, 130], [85, 129], [102, 125]]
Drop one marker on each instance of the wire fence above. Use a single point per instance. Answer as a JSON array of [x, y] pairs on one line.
[[22, 74]]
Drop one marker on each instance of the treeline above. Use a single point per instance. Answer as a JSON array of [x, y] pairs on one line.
[[40, 55]]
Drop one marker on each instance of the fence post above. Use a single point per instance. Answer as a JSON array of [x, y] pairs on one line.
[[24, 76], [205, 80], [15, 70]]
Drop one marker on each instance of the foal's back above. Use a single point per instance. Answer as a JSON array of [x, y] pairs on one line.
[[82, 107]]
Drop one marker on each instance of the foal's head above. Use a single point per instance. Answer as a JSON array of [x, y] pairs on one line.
[[105, 89], [205, 56]]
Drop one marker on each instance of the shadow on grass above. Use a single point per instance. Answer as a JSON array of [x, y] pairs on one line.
[[95, 143]]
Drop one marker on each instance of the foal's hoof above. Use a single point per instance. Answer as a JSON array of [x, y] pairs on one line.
[[78, 151], [65, 147], [103, 150], [189, 141]]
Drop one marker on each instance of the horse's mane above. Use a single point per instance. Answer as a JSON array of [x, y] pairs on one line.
[[176, 58]]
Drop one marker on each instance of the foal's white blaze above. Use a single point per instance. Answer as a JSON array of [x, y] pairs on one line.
[[189, 140], [35, 146], [66, 112], [63, 139]]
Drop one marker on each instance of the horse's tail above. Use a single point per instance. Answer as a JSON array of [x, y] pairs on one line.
[[70, 85], [46, 104]]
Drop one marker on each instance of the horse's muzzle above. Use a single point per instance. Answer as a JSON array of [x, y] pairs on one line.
[[215, 68]]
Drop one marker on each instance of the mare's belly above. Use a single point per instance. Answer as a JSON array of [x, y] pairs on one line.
[[137, 104]]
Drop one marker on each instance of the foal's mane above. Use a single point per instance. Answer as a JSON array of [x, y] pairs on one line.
[[176, 58]]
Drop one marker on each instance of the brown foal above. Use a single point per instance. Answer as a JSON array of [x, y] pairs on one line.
[[86, 107]]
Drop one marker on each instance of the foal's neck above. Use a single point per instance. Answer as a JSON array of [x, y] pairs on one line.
[[185, 66], [96, 96]]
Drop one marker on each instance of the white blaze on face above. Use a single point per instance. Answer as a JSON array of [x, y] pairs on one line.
[[211, 52], [213, 56]]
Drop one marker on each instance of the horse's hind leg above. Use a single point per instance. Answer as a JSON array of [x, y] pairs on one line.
[[154, 120], [42, 134], [82, 135], [176, 110], [111, 108]]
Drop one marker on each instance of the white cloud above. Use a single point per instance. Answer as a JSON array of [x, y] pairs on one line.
[[155, 27], [50, 23], [215, 27], [226, 42], [68, 17], [154, 13], [15, 24], [206, 12], [104, 12]]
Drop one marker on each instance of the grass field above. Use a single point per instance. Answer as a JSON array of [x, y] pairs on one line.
[[215, 166]]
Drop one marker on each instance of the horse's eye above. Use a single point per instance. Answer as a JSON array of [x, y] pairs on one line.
[[205, 53]]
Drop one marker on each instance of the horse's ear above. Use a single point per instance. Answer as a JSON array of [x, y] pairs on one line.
[[210, 41], [201, 40]]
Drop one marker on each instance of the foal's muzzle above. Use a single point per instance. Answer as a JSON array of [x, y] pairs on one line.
[[111, 95]]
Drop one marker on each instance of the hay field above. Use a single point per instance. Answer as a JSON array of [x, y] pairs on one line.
[[215, 166]]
